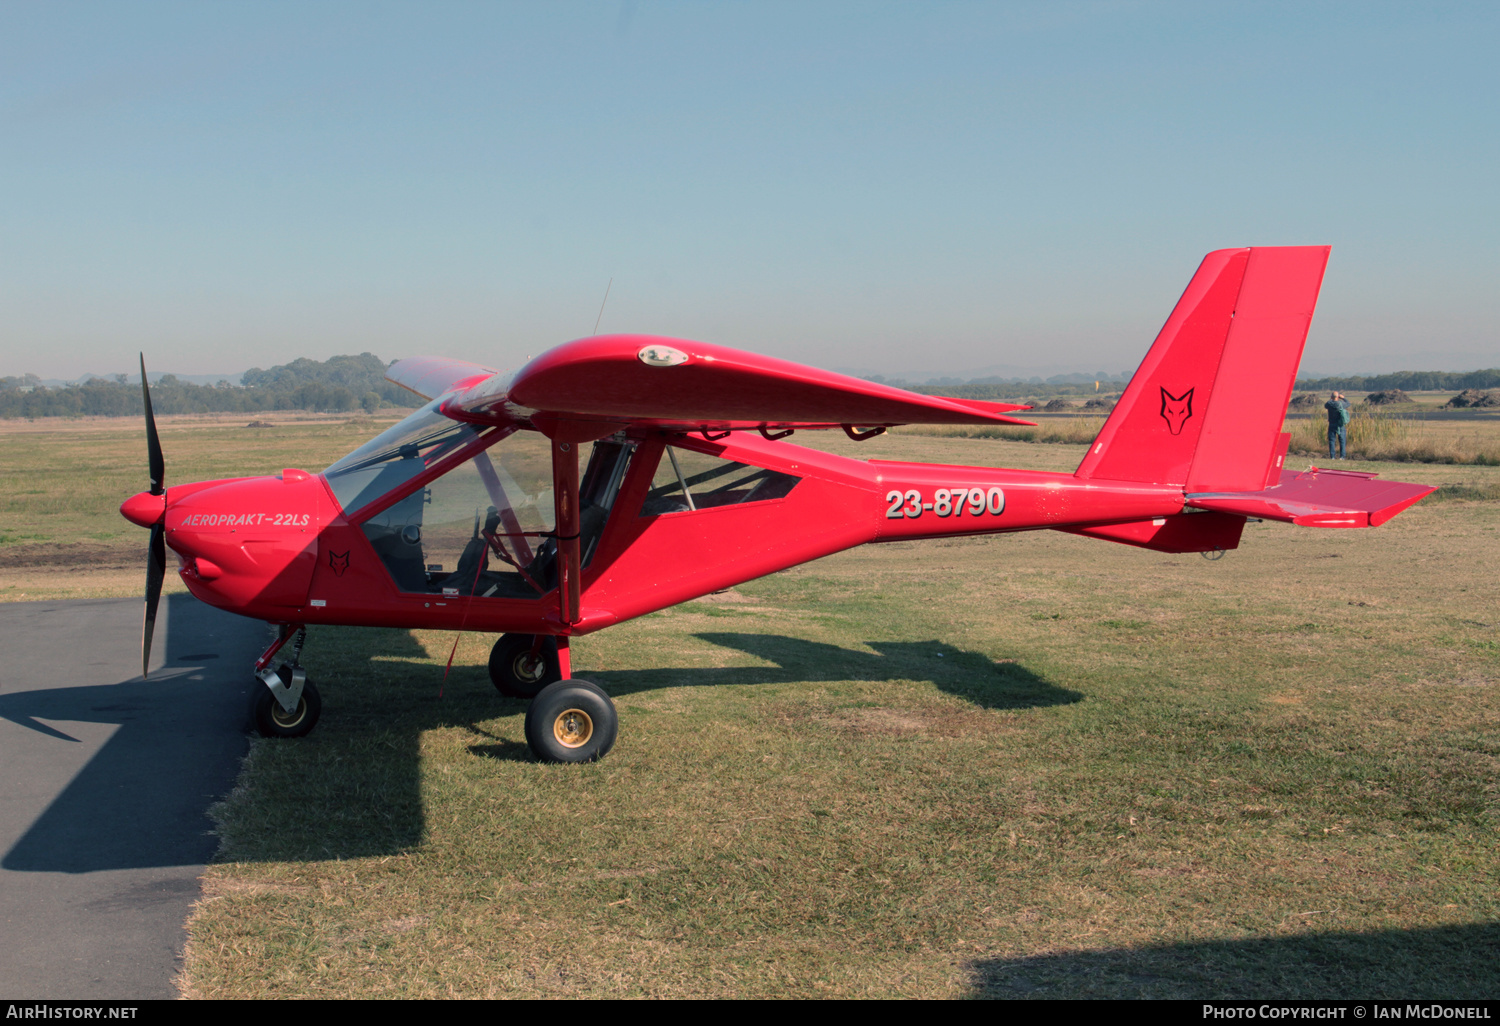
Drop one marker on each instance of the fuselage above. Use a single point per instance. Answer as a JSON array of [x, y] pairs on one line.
[[667, 518]]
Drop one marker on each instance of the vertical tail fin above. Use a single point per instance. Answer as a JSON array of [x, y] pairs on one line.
[[1205, 408]]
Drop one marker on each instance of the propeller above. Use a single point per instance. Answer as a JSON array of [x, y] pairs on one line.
[[156, 562]]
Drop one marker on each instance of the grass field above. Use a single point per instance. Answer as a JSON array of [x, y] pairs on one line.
[[1407, 435], [1034, 766], [61, 534]]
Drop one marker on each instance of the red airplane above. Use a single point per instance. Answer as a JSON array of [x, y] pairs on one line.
[[479, 511]]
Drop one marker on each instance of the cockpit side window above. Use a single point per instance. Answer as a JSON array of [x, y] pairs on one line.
[[485, 527], [688, 480]]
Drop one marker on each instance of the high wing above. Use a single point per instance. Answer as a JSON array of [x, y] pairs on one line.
[[596, 385]]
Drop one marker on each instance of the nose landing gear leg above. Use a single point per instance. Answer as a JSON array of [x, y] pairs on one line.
[[289, 704]]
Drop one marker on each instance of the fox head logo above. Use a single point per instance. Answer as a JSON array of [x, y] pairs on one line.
[[1176, 409], [338, 562]]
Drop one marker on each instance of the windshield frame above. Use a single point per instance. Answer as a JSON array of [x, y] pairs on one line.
[[382, 447]]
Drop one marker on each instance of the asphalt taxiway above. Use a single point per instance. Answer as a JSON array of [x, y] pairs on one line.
[[107, 779]]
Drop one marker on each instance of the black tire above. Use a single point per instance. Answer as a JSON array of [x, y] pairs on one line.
[[513, 670], [271, 720], [571, 721]]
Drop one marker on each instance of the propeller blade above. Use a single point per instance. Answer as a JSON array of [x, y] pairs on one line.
[[156, 570], [153, 441]]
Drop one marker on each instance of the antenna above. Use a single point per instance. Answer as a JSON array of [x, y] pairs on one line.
[[601, 305]]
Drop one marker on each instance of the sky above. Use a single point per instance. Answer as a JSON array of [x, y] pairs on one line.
[[912, 189]]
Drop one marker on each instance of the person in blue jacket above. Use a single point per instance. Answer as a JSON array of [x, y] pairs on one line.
[[1338, 423]]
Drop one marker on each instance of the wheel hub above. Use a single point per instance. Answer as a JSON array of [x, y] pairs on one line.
[[573, 728], [288, 720]]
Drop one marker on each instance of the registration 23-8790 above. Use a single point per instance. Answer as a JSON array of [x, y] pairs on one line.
[[945, 502]]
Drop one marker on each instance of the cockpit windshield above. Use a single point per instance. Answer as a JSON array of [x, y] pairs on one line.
[[395, 456]]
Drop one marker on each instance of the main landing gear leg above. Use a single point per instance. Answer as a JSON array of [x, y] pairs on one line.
[[569, 720], [289, 704]]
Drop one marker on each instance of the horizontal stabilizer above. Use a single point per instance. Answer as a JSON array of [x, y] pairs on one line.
[[432, 376], [1319, 498]]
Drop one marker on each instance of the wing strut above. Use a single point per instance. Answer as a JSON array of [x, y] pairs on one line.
[[565, 499]]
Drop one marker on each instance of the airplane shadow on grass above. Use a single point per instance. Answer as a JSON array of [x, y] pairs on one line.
[[1456, 962], [967, 675], [353, 787]]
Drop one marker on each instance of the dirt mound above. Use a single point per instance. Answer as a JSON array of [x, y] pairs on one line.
[[1058, 404], [1386, 398], [1100, 404], [260, 424], [1307, 399], [1473, 397], [74, 556]]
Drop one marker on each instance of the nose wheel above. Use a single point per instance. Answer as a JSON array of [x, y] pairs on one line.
[[286, 705], [283, 702]]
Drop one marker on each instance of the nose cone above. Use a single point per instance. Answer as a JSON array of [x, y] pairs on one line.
[[144, 509]]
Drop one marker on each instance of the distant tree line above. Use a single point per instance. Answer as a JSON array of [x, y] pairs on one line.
[[341, 384], [1017, 389], [1407, 381]]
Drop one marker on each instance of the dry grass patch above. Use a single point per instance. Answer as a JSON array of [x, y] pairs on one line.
[[1065, 429], [1377, 434]]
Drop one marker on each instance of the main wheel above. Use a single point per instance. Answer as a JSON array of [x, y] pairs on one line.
[[571, 721], [271, 720], [516, 673]]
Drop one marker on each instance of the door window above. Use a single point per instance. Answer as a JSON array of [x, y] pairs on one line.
[[687, 480], [485, 527]]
